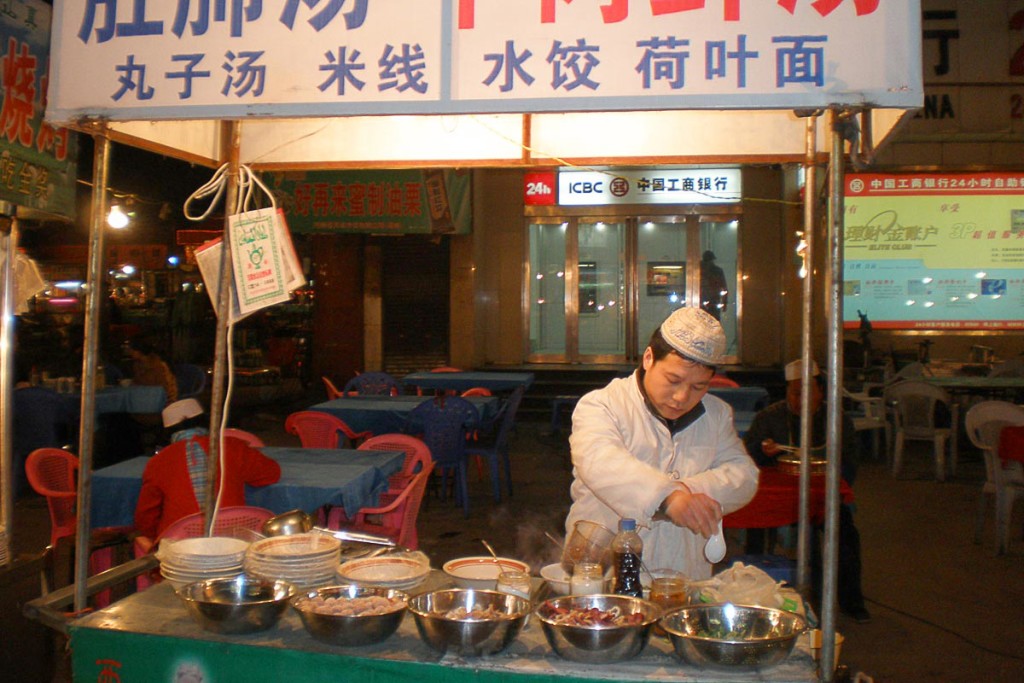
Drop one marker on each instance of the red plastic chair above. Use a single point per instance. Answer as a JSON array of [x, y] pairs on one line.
[[53, 473], [333, 392], [248, 437], [417, 455], [476, 391], [394, 518], [322, 430], [234, 521], [723, 381], [445, 368]]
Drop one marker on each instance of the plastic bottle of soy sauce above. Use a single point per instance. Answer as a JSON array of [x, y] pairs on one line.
[[627, 548]]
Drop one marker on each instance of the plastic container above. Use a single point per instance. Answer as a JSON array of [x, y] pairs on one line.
[[627, 549]]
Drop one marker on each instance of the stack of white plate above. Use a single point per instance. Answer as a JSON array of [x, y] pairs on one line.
[[401, 571], [198, 559], [306, 560]]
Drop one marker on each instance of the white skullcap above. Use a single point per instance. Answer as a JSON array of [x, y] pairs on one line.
[[696, 335], [795, 369], [179, 411]]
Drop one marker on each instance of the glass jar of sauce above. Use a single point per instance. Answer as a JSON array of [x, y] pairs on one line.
[[587, 579]]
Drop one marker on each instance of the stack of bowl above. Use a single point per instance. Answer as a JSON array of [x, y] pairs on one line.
[[305, 560], [197, 559], [400, 571]]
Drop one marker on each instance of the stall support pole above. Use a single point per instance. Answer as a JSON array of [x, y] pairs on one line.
[[810, 198], [834, 448], [9, 246], [231, 137], [94, 294]]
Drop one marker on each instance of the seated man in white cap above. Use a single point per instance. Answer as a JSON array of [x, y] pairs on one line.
[[175, 481], [656, 447], [779, 425]]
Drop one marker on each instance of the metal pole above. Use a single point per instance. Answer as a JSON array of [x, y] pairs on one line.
[[9, 245], [94, 293], [835, 388], [231, 135], [810, 198]]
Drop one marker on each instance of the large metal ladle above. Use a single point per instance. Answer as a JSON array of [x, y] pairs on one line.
[[300, 522]]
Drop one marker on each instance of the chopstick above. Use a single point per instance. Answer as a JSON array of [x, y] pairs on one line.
[[787, 449]]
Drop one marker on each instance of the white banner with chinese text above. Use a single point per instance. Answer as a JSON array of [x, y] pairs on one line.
[[139, 59]]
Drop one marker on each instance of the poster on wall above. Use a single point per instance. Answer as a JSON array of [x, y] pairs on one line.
[[934, 251]]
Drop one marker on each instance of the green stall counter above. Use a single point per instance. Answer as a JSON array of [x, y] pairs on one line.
[[149, 637]]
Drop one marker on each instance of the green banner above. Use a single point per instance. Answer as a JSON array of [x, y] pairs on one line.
[[388, 202], [37, 161]]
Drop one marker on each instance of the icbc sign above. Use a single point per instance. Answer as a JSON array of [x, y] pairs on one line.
[[539, 188]]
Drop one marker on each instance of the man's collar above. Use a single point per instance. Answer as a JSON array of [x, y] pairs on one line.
[[673, 426]]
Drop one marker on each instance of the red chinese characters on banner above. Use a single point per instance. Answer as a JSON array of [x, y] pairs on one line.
[[614, 11], [358, 199], [19, 83]]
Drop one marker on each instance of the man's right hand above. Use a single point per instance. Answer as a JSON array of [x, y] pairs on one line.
[[769, 447], [695, 511]]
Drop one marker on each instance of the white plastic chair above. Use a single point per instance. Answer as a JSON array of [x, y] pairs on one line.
[[913, 404], [870, 416], [984, 422]]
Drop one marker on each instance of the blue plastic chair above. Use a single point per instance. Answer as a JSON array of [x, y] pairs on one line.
[[373, 384], [443, 423], [494, 447]]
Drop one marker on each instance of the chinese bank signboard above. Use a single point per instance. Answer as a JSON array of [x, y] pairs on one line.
[[189, 60], [37, 161], [935, 251], [656, 185]]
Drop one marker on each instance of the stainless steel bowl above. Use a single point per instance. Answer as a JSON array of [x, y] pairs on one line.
[[347, 630], [237, 604], [727, 636], [598, 644], [468, 637]]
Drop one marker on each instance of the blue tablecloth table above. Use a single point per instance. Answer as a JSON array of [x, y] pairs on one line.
[[460, 381], [310, 478], [390, 414]]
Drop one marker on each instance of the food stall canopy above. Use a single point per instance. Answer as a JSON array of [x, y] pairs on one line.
[[481, 82]]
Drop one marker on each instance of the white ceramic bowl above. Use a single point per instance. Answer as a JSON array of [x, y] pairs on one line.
[[556, 577], [481, 572]]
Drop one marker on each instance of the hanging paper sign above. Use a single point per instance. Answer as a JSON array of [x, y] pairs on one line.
[[258, 269], [208, 259], [293, 266]]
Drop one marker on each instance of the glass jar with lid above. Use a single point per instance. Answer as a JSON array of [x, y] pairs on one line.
[[587, 579]]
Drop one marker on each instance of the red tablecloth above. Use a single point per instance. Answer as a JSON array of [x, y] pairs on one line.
[[1011, 443], [777, 501]]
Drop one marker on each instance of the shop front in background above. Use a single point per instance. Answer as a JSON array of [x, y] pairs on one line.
[[612, 253]]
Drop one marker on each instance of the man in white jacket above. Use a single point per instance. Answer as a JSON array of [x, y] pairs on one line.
[[655, 447]]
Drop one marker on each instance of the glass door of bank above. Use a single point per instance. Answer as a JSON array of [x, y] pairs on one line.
[[599, 285]]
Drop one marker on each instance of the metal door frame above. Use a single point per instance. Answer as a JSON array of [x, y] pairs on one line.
[[692, 215]]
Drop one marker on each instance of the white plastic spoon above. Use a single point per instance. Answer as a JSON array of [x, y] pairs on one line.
[[714, 549]]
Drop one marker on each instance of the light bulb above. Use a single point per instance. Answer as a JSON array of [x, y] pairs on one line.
[[117, 218]]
